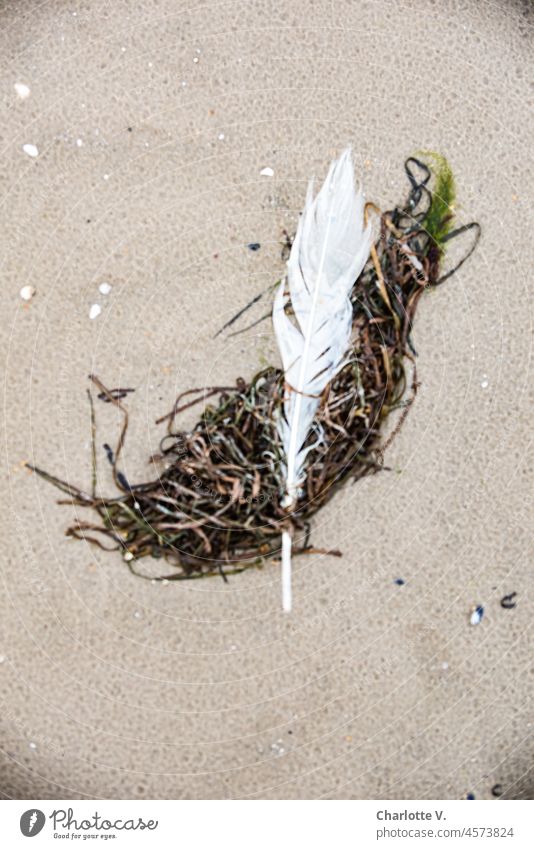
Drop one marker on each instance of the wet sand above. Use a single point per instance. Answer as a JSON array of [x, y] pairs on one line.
[[152, 126]]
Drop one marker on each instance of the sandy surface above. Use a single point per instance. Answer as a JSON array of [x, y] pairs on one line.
[[152, 123]]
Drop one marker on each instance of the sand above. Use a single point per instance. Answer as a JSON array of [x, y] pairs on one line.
[[152, 125]]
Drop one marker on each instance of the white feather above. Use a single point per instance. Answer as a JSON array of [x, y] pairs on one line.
[[330, 250]]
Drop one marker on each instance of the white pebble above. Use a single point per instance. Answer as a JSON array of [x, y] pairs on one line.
[[27, 293], [106, 176], [221, 136], [195, 60], [79, 142], [104, 288], [95, 311], [267, 172], [2, 658], [30, 150], [484, 383], [128, 555], [22, 90], [32, 745]]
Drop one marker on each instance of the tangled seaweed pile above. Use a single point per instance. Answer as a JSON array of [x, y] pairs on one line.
[[216, 507]]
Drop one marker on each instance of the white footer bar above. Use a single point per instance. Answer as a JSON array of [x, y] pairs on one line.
[[269, 825]]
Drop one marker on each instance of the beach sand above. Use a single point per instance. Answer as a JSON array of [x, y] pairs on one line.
[[152, 125]]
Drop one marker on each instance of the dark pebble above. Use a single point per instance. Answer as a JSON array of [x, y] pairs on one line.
[[254, 246], [109, 452], [507, 601], [497, 790], [122, 481], [399, 581]]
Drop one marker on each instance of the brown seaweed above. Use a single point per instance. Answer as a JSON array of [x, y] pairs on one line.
[[216, 508]]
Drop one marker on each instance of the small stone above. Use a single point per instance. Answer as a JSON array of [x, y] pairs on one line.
[[128, 555], [22, 90], [195, 59], [399, 581], [221, 136], [164, 582], [95, 311], [444, 665], [476, 615], [32, 745], [106, 176], [507, 601], [137, 614], [104, 288], [27, 293], [277, 748], [79, 142], [30, 150], [254, 246], [2, 658], [484, 383], [267, 172]]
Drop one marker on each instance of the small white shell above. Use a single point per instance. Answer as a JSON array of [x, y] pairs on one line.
[[476, 615], [30, 150], [95, 311], [104, 288], [22, 90], [27, 293], [267, 172]]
